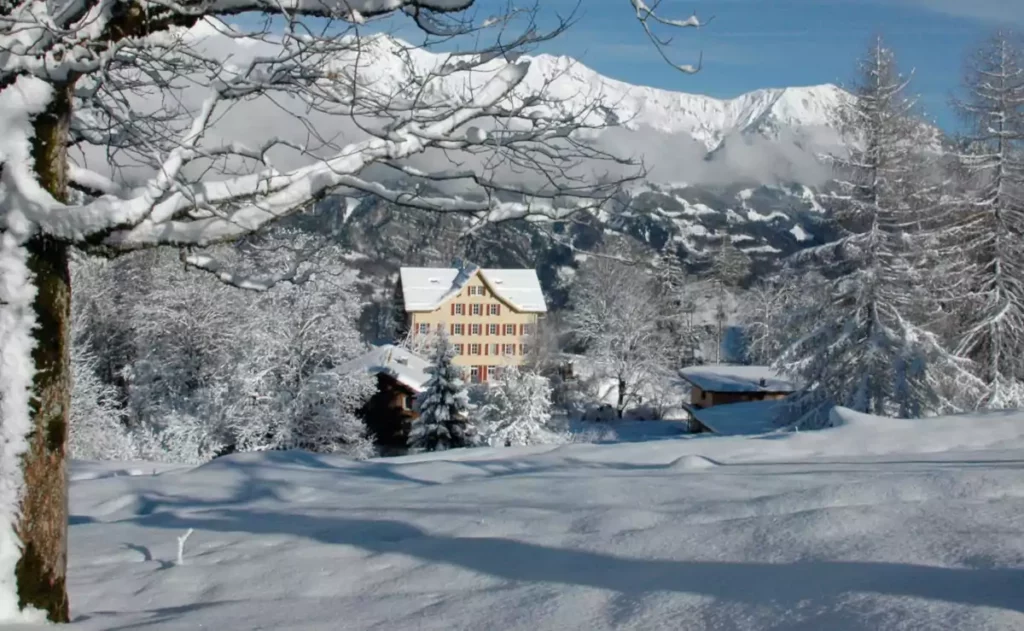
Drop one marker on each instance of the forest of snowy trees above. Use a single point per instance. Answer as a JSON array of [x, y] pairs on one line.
[[916, 308], [171, 364]]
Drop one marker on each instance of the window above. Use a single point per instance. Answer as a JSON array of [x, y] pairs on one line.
[[458, 349], [510, 329], [457, 329], [492, 329], [474, 374], [476, 309], [510, 349], [493, 309], [460, 309], [495, 349], [529, 329], [522, 349], [424, 328], [474, 329], [474, 349], [407, 402], [476, 290], [492, 373]]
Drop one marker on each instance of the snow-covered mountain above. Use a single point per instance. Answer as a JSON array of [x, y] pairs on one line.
[[769, 113]]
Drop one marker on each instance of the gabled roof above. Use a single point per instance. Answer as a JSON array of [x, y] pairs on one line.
[[407, 368], [731, 378], [427, 288]]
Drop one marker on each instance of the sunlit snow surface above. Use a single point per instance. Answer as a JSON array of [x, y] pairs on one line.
[[877, 524]]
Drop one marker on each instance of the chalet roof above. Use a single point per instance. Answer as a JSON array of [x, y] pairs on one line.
[[739, 419], [406, 367], [732, 378], [427, 288]]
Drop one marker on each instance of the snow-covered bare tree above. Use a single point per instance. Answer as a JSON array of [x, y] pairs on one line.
[[97, 429], [860, 348], [295, 393], [984, 235], [516, 410], [139, 88], [763, 309], [443, 406], [618, 314]]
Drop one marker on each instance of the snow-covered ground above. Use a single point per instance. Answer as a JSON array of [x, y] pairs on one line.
[[877, 524]]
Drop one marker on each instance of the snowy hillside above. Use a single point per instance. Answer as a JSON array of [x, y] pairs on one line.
[[877, 524]]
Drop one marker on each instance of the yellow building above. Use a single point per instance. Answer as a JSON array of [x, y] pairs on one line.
[[488, 314]]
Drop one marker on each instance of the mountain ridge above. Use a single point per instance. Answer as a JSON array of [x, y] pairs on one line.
[[708, 120]]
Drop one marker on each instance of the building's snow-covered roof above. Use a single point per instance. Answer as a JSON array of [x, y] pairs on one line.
[[407, 368], [731, 378], [427, 288], [737, 419]]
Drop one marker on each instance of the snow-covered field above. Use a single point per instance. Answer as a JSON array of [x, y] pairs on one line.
[[877, 524]]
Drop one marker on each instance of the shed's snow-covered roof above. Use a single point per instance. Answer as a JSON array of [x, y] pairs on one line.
[[427, 288], [730, 378], [739, 419], [407, 368]]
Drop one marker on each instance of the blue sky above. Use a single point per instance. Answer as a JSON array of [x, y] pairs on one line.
[[754, 44]]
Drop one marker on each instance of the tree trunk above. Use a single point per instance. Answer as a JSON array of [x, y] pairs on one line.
[[620, 406], [43, 526]]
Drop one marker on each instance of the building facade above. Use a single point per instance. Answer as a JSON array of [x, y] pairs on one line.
[[488, 314]]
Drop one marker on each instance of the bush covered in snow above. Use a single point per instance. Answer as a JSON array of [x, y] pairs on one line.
[[516, 410]]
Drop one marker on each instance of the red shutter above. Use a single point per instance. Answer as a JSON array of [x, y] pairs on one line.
[[453, 308], [487, 348], [522, 329], [522, 349], [487, 329], [483, 373], [499, 309], [452, 327]]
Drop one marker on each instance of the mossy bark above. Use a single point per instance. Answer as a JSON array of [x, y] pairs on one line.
[[43, 527]]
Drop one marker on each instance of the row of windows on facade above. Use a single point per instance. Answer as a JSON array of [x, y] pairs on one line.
[[489, 349], [479, 329], [459, 308]]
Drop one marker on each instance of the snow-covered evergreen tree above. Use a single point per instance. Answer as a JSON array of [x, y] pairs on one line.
[[729, 268], [681, 295], [983, 237], [443, 406], [516, 409], [860, 348]]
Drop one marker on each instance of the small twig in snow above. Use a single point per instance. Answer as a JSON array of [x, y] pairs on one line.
[[181, 546]]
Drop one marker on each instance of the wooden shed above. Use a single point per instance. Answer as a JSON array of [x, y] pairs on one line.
[[718, 384]]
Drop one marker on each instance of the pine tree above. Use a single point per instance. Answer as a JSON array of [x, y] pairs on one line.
[[729, 268], [443, 406], [860, 347], [985, 238], [517, 409], [681, 299]]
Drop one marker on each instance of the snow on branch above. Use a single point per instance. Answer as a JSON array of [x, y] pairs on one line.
[[408, 106], [648, 15]]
